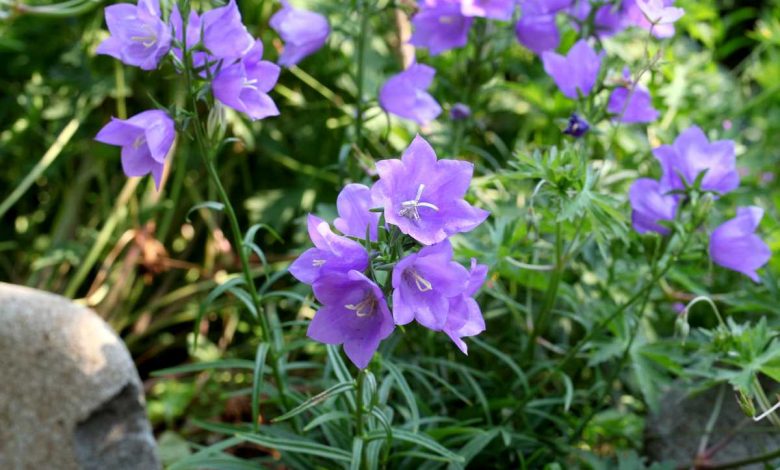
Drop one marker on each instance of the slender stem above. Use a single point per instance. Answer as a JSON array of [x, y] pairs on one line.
[[359, 412], [550, 296], [207, 151], [744, 462], [711, 421], [361, 53]]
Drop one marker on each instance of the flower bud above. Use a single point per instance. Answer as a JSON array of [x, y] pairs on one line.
[[746, 403], [216, 122]]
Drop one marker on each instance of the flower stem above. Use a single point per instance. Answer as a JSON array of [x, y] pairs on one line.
[[361, 53], [550, 295], [359, 418]]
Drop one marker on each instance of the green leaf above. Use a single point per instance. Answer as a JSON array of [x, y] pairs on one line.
[[326, 418], [201, 366], [297, 445], [333, 391], [357, 454], [420, 439], [257, 381], [213, 295], [474, 446], [406, 391], [213, 205]]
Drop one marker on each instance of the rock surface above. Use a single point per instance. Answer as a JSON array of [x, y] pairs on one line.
[[70, 396], [674, 434]]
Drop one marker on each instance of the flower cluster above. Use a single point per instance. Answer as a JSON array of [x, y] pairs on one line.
[[442, 25], [420, 197], [693, 163], [217, 46]]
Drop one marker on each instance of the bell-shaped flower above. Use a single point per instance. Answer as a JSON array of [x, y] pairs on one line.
[[660, 11], [440, 26], [575, 73], [224, 34], [423, 284], [465, 317], [734, 244], [331, 253], [244, 85], [353, 313], [405, 95], [631, 106], [355, 217], [423, 196], [537, 29], [635, 16], [138, 36], [146, 140], [693, 154], [650, 204], [303, 32], [608, 20], [493, 9]]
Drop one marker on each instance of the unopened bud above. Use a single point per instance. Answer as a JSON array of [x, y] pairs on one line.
[[216, 123]]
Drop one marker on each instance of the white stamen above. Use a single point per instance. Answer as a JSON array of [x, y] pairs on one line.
[[365, 307], [317, 263], [149, 40], [422, 284], [409, 209]]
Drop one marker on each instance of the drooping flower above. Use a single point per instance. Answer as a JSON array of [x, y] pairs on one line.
[[493, 9], [423, 197], [650, 205], [537, 29], [353, 313], [146, 140], [576, 72], [224, 34], [631, 107], [577, 126], [138, 36], [405, 95], [244, 85], [690, 155], [303, 32], [660, 11], [465, 317], [440, 26], [734, 244], [460, 112], [355, 216], [424, 282], [331, 253]]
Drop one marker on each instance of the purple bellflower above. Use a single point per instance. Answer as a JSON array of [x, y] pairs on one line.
[[734, 244], [404, 95], [193, 30], [608, 19], [440, 26], [493, 9], [303, 32], [355, 217], [423, 197], [424, 282], [244, 85], [577, 126], [576, 72], [138, 36], [660, 12], [692, 154], [146, 140], [650, 204], [537, 29], [465, 317], [631, 107], [353, 313], [635, 16], [460, 112], [224, 35], [331, 253]]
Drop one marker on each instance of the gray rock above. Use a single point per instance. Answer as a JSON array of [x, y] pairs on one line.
[[70, 396], [674, 434]]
